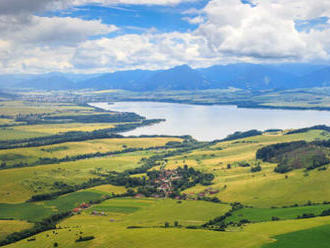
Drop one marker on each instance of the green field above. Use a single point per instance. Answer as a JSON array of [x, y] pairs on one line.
[[25, 211], [266, 214], [314, 237]]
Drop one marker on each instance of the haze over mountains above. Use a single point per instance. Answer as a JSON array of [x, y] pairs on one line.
[[244, 76]]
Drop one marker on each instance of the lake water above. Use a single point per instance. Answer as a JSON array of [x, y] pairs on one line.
[[207, 123]]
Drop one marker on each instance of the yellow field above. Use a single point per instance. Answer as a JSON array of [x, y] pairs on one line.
[[32, 154], [10, 226], [108, 189], [67, 127]]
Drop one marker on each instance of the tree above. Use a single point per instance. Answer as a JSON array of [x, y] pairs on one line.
[[176, 223], [167, 224]]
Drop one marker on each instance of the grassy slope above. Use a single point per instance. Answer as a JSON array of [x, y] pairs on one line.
[[18, 185], [32, 154], [262, 189], [10, 226]]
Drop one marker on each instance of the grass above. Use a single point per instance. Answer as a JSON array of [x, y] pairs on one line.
[[19, 184], [10, 226], [313, 237], [108, 189], [263, 189], [25, 211], [32, 154], [8, 133], [115, 234], [67, 127], [266, 214], [152, 212]]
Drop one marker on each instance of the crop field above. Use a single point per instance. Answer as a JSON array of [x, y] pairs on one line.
[[108, 189], [24, 211], [68, 127], [266, 214], [317, 236]]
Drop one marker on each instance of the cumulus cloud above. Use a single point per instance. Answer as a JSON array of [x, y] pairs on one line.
[[150, 51], [265, 30]]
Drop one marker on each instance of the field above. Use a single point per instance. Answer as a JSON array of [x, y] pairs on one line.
[[59, 151], [306, 238], [122, 179], [10, 226], [114, 233], [19, 184], [266, 214]]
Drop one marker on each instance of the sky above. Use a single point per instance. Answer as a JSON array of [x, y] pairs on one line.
[[85, 36]]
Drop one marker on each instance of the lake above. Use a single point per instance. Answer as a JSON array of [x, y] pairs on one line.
[[205, 123]]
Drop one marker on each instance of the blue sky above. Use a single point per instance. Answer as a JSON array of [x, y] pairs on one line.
[[139, 18], [86, 36]]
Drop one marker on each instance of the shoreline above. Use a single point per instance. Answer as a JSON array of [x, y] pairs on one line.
[[240, 105]]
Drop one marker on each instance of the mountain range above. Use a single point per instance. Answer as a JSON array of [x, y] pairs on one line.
[[243, 76]]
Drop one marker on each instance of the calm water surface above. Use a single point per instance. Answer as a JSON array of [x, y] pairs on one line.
[[207, 123]]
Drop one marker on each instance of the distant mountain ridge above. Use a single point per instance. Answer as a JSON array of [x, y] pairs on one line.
[[243, 76]]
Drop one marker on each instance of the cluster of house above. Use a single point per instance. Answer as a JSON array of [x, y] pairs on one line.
[[81, 207], [164, 181]]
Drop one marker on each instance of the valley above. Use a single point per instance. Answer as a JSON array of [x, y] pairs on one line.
[[69, 178]]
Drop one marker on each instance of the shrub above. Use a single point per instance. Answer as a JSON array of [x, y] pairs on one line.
[[81, 239]]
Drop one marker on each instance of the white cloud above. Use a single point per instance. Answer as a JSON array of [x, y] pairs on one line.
[[50, 30], [149, 51], [266, 31], [194, 20], [228, 31]]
